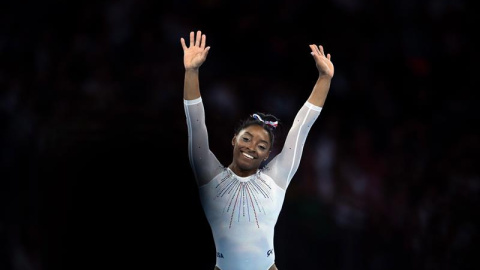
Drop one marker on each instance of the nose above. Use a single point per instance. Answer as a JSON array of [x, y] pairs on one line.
[[250, 148]]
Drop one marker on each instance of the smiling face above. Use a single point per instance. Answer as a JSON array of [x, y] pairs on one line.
[[251, 146]]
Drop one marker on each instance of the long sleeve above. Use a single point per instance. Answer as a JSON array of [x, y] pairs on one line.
[[283, 167], [203, 162]]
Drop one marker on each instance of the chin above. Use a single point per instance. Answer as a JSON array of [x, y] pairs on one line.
[[249, 167]]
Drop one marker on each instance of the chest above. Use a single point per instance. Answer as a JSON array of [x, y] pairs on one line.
[[229, 199]]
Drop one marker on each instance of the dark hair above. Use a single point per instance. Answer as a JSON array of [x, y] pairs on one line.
[[268, 121]]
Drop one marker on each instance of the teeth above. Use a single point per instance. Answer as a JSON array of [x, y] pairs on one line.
[[247, 155]]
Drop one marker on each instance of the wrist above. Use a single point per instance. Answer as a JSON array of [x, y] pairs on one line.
[[324, 76], [192, 70]]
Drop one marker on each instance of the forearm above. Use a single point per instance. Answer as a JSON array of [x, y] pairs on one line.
[[287, 161], [191, 88], [320, 91]]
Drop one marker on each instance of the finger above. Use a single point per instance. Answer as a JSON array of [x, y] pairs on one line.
[[204, 41], [320, 49], [313, 48], [199, 37], [184, 46], [329, 56], [191, 39]]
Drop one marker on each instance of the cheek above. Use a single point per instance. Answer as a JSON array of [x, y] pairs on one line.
[[262, 153], [239, 143]]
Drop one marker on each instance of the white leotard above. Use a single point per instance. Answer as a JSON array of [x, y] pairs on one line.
[[242, 211]]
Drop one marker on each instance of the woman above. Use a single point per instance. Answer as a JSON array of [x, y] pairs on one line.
[[242, 201]]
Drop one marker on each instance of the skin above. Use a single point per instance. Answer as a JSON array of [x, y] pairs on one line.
[[251, 146], [325, 74], [195, 55]]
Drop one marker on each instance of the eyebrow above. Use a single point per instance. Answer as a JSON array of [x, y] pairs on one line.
[[246, 132]]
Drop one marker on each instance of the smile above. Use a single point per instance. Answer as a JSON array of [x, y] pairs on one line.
[[247, 156]]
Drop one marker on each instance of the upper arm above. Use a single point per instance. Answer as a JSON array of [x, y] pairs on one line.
[[284, 166], [203, 162]]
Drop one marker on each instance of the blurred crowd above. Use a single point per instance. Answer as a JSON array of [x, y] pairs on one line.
[[91, 94]]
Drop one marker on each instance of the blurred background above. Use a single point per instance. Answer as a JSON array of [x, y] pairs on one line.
[[93, 142]]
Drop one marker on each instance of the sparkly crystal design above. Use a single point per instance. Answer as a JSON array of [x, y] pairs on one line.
[[244, 197]]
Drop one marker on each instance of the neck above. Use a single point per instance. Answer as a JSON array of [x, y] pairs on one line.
[[240, 172]]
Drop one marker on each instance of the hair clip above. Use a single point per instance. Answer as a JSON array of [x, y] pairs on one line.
[[270, 123]]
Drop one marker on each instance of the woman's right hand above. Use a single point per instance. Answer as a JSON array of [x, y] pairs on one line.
[[196, 53]]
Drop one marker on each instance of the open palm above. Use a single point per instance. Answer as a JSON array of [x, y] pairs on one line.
[[322, 60], [196, 53]]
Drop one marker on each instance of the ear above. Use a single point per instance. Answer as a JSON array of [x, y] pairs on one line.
[[265, 159], [233, 140]]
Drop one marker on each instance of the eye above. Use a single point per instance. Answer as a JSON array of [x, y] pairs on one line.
[[245, 139], [262, 147]]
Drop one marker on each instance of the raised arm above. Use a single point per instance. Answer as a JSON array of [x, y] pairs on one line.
[[193, 57], [285, 164], [325, 75], [203, 162]]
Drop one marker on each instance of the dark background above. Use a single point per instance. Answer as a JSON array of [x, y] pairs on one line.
[[93, 142]]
